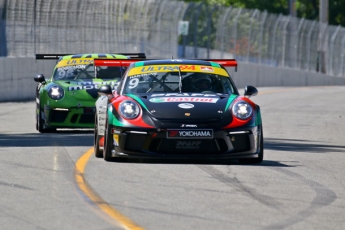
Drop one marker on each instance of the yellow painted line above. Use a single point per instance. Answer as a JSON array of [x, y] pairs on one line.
[[79, 170]]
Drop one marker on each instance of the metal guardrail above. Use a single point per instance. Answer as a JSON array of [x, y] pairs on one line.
[[151, 27]]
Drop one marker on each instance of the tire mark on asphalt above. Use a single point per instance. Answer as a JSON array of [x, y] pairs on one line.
[[324, 197], [15, 186], [235, 183], [5, 214]]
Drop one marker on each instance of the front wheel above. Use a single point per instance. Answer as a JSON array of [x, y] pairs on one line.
[[98, 152], [108, 146], [260, 157], [40, 123]]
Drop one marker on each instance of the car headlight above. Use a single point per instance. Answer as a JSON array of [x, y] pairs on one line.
[[242, 110], [129, 109], [56, 92]]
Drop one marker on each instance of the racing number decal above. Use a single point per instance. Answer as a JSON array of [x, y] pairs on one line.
[[133, 83]]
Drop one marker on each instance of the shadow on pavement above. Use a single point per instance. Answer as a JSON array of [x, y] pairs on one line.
[[60, 138]]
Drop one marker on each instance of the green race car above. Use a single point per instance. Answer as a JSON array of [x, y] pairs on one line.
[[67, 99]]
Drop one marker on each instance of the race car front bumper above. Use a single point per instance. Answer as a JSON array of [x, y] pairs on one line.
[[233, 144], [74, 117]]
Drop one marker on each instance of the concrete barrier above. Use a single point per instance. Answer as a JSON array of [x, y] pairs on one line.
[[17, 77], [266, 76]]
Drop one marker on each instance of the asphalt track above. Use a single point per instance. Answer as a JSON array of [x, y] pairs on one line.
[[53, 181]]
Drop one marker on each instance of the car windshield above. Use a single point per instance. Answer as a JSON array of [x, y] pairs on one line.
[[185, 82], [74, 72]]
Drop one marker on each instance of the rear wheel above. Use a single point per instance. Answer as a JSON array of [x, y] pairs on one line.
[[260, 157], [98, 152]]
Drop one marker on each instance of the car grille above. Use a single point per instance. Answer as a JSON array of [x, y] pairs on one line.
[[87, 118], [138, 142], [57, 115], [60, 116]]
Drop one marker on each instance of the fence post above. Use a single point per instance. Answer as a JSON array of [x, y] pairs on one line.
[[342, 70], [296, 46], [309, 45], [274, 36], [250, 32], [222, 27], [261, 35], [235, 32], [196, 19], [331, 55]]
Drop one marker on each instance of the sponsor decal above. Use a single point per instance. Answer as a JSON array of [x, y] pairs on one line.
[[116, 139], [185, 95], [175, 68], [190, 133], [206, 69], [186, 106], [188, 145], [116, 131], [75, 61], [183, 99], [143, 75], [91, 85], [166, 68]]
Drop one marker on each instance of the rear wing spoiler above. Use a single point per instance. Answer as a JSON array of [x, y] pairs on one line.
[[57, 56], [114, 62], [49, 56], [127, 62], [224, 62]]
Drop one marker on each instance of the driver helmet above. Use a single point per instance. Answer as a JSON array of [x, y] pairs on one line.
[[202, 83]]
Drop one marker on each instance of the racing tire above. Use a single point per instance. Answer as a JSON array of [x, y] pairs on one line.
[[107, 143], [98, 152], [260, 157], [40, 123]]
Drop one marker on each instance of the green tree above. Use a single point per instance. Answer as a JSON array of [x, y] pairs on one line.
[[308, 9]]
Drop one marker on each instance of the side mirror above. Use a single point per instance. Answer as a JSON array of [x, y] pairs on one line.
[[40, 78], [250, 91], [105, 90]]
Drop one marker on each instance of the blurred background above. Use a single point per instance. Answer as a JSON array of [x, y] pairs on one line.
[[300, 35]]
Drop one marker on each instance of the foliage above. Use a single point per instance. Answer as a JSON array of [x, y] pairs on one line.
[[308, 9]]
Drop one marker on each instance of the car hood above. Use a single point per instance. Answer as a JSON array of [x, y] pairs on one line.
[[84, 89], [186, 106]]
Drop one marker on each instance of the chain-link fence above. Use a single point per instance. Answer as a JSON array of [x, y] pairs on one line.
[[151, 26]]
